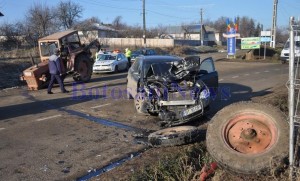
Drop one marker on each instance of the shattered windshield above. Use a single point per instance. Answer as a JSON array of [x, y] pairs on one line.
[[107, 57]]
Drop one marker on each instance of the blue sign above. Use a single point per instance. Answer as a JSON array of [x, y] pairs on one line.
[[265, 39], [231, 43]]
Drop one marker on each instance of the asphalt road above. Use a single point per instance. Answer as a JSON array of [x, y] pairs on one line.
[[65, 136]]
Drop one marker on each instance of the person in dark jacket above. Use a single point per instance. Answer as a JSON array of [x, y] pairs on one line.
[[55, 70]]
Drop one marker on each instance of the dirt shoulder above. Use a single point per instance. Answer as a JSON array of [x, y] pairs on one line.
[[154, 156]]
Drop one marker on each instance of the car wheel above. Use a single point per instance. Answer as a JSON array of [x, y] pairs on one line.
[[140, 103], [174, 136], [247, 137]]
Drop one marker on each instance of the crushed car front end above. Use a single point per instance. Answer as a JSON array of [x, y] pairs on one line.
[[173, 91]]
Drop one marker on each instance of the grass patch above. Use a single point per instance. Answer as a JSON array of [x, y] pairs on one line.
[[184, 166]]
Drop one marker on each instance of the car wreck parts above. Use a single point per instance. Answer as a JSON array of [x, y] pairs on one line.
[[178, 135], [248, 138], [76, 59], [173, 91]]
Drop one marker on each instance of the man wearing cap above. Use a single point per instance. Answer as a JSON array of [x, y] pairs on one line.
[[55, 70]]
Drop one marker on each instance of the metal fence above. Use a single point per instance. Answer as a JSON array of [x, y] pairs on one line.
[[294, 100]]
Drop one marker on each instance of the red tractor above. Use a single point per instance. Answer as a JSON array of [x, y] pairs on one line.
[[76, 59]]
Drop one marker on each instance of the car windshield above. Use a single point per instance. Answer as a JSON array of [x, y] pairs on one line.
[[157, 69], [297, 44], [107, 57]]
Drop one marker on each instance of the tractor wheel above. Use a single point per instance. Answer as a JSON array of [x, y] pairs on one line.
[[174, 136], [248, 138], [83, 68]]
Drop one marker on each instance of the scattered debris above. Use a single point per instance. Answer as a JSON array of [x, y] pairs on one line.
[[206, 171]]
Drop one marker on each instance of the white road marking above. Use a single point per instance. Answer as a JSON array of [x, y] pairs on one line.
[[220, 80], [101, 105], [50, 117], [103, 83], [246, 74], [257, 72], [2, 129], [81, 88], [266, 71], [277, 69], [234, 77]]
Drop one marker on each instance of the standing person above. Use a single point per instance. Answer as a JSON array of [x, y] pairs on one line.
[[55, 70], [128, 55]]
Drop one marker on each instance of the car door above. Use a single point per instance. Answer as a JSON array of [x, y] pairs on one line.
[[208, 73], [124, 61], [133, 77], [119, 62]]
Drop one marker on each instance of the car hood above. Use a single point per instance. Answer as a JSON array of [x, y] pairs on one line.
[[104, 62], [171, 71]]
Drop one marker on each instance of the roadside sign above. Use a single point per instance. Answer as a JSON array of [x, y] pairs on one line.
[[265, 33], [265, 39], [250, 43], [231, 42]]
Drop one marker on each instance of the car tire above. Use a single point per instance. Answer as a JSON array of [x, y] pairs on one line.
[[174, 136], [248, 138], [140, 104]]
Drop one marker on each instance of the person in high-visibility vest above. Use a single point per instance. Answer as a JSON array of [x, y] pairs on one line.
[[128, 55]]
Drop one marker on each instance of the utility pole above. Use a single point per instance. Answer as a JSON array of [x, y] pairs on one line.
[[144, 24], [201, 26], [274, 25]]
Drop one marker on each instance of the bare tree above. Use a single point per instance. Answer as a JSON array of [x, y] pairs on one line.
[[12, 35], [41, 20], [187, 31], [247, 27], [117, 23], [282, 34], [157, 31], [220, 24], [87, 24], [68, 13]]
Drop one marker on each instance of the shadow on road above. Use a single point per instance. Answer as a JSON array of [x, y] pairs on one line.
[[37, 107]]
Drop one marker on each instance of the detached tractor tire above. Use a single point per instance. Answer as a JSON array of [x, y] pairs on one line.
[[248, 138], [174, 136], [83, 68]]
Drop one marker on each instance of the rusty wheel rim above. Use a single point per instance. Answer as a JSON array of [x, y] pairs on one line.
[[83, 69], [250, 133]]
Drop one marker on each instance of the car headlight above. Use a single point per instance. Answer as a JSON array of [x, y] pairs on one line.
[[205, 94]]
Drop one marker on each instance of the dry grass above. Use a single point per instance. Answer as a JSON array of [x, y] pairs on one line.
[[184, 166]]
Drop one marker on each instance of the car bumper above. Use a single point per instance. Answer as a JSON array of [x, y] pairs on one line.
[[103, 69], [288, 58]]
